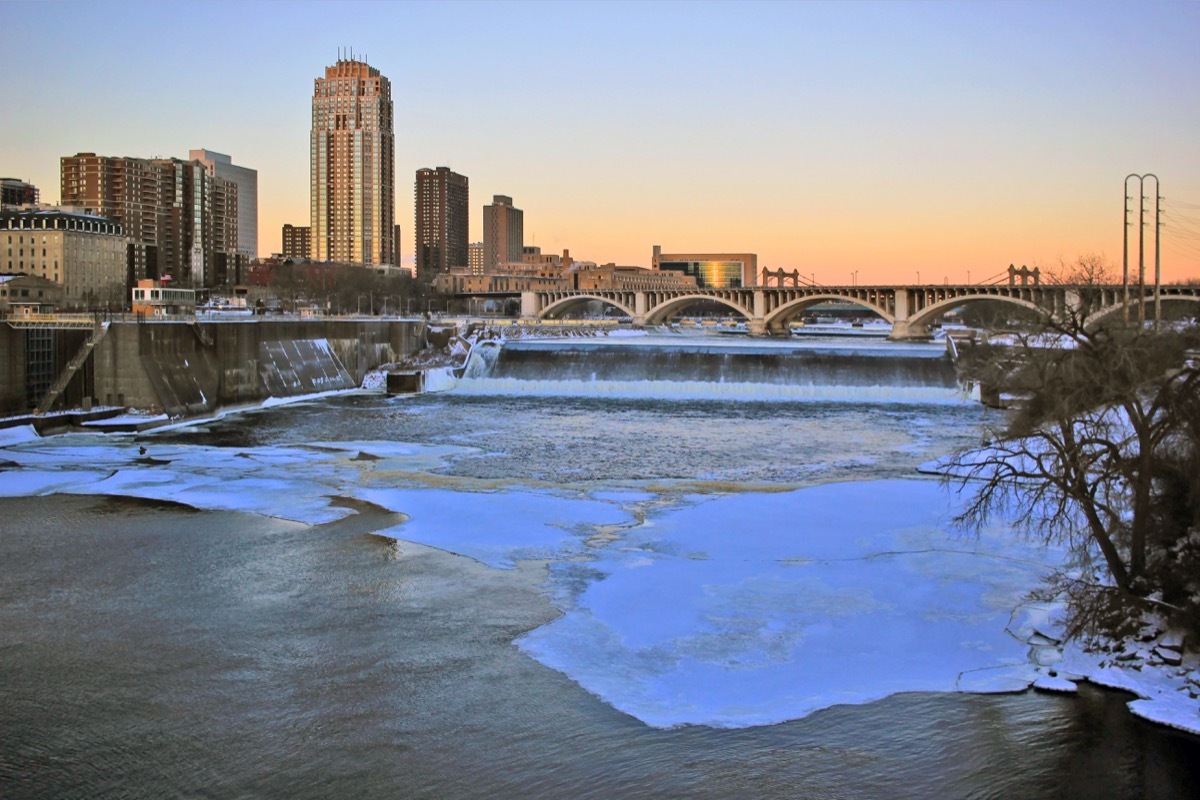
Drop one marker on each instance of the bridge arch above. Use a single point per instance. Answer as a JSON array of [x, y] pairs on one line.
[[921, 319], [668, 308], [1148, 300], [779, 318], [553, 310]]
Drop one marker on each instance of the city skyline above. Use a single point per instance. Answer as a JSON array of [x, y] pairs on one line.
[[867, 142]]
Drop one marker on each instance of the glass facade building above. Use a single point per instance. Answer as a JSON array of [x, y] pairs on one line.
[[708, 274], [710, 270]]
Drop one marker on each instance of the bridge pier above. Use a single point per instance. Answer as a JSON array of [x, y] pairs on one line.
[[531, 306], [903, 331], [757, 327]]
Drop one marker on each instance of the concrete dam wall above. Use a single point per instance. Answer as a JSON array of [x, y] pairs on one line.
[[185, 368]]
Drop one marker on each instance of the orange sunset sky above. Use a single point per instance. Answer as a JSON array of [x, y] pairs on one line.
[[857, 140]]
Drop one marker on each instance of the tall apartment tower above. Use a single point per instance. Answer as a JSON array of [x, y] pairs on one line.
[[198, 241], [180, 219], [443, 213], [353, 183], [503, 233], [246, 180]]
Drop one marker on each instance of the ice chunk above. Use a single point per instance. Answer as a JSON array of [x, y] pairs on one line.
[[17, 435]]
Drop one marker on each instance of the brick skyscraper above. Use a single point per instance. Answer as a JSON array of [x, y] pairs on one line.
[[442, 210]]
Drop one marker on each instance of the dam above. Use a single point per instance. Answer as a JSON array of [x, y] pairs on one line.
[[189, 366]]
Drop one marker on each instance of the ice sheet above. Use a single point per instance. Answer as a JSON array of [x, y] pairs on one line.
[[756, 608], [497, 528]]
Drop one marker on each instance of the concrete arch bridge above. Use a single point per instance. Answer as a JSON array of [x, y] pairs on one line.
[[910, 310]]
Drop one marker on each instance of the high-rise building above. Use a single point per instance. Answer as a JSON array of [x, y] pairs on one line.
[[180, 220], [225, 258], [127, 190], [15, 192], [297, 242], [198, 243], [443, 213], [353, 185], [475, 258], [246, 180], [503, 233]]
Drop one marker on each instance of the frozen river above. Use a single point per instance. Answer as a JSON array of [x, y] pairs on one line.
[[596, 569]]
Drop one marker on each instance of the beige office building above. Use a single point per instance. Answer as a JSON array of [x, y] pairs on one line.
[[352, 164], [84, 253]]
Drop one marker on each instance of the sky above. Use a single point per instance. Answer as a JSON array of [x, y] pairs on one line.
[[853, 141]]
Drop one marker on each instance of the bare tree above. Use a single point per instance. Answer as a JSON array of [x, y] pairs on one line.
[[1087, 270], [1103, 455]]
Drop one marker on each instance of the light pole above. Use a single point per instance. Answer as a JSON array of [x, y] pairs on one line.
[[918, 277]]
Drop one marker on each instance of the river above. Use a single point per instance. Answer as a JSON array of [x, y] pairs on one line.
[[595, 569]]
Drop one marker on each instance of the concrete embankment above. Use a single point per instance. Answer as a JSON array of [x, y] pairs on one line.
[[187, 368]]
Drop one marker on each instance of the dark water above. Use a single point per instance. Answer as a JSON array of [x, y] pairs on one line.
[[148, 650]]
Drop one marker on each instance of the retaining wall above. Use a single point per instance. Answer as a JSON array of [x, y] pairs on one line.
[[195, 368]]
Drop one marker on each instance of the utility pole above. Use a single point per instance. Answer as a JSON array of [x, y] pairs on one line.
[[1157, 260], [1141, 181]]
